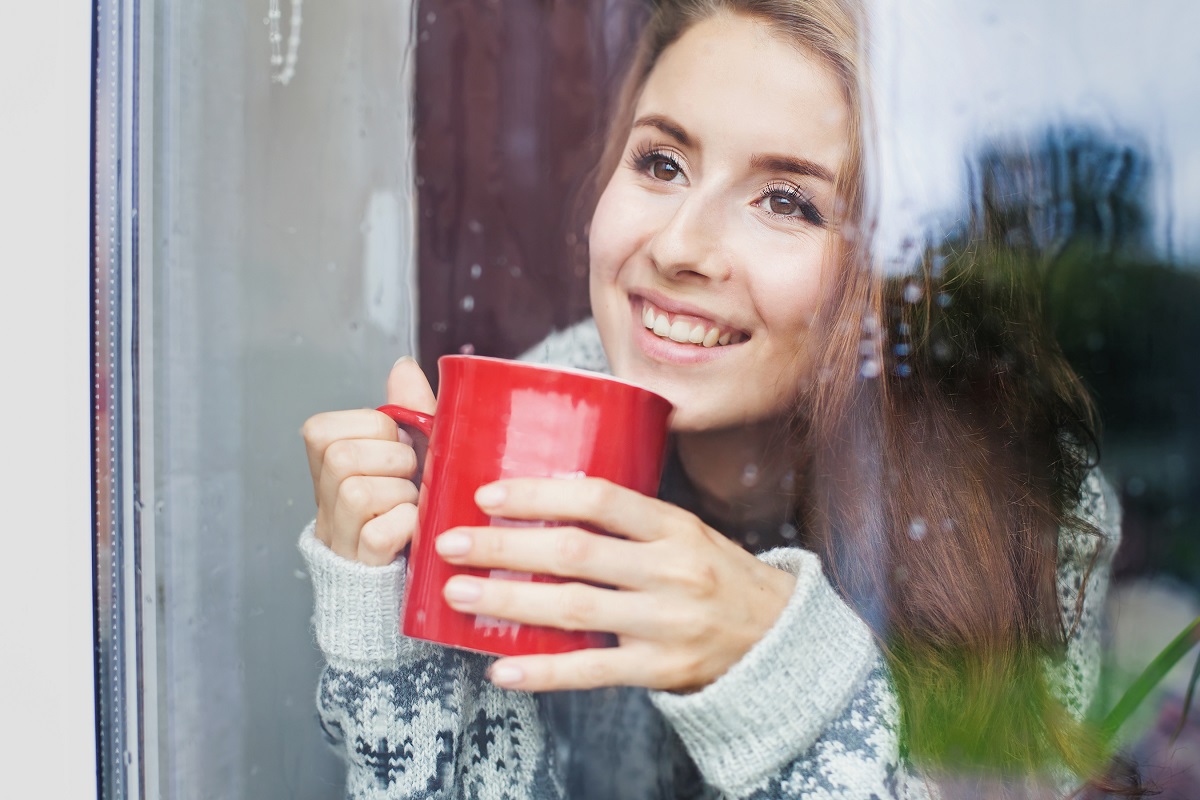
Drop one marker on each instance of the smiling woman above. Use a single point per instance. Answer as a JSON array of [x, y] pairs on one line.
[[786, 623]]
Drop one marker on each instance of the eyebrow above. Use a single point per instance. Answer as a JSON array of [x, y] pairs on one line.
[[796, 166], [763, 163], [666, 126]]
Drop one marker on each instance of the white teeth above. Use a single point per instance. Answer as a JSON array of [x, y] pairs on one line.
[[684, 332]]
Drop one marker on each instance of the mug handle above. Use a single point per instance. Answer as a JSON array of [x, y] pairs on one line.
[[406, 416], [423, 423]]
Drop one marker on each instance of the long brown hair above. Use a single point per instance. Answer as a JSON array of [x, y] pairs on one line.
[[945, 440]]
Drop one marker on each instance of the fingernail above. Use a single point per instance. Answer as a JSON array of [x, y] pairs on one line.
[[453, 544], [490, 495], [402, 359], [463, 590], [505, 675]]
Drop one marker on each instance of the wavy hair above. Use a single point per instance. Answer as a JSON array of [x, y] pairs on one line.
[[944, 439]]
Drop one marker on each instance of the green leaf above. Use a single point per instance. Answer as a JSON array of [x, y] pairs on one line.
[[1150, 678]]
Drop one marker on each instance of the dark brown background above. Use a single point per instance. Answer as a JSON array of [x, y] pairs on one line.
[[511, 97]]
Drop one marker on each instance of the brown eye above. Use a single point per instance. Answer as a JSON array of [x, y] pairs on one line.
[[664, 170], [783, 206]]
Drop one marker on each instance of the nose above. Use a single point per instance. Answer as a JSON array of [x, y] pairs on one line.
[[687, 245]]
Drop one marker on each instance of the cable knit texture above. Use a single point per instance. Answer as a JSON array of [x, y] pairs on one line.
[[808, 713]]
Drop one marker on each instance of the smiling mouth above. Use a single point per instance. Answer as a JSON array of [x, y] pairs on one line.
[[685, 329]]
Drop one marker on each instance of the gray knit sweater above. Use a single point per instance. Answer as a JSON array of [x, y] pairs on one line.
[[808, 713]]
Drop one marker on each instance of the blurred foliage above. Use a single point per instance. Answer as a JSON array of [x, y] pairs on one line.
[[1072, 203]]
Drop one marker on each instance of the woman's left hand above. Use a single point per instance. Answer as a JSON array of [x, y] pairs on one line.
[[686, 602]]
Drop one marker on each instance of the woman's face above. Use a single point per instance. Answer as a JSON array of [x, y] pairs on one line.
[[719, 223]]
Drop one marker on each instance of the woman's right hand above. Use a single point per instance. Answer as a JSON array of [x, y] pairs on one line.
[[362, 469]]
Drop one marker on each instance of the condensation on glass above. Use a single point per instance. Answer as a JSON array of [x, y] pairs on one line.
[[291, 195]]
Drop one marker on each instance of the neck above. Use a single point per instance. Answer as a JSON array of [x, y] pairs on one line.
[[742, 475]]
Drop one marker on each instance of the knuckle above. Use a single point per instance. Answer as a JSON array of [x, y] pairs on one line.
[[341, 458], [355, 493], [594, 673], [572, 548], [314, 429], [377, 536], [601, 496], [576, 611]]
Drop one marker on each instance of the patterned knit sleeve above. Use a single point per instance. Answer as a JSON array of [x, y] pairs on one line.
[[412, 719], [808, 713], [1085, 563]]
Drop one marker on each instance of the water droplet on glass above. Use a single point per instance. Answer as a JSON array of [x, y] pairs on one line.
[[942, 350], [947, 525], [475, 226], [159, 507], [299, 574], [1135, 487], [900, 574], [440, 327], [866, 347], [903, 329], [912, 293], [917, 529], [944, 300], [752, 538], [467, 350], [476, 271], [297, 339], [354, 326], [870, 323], [903, 370], [431, 17], [788, 531], [902, 349], [468, 303], [515, 272], [870, 368], [788, 482], [750, 475]]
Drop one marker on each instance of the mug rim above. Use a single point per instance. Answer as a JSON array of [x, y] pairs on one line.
[[586, 373]]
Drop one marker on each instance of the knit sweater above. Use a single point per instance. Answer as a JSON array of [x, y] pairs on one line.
[[808, 712]]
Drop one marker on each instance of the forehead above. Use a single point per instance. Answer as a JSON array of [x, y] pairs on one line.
[[733, 82]]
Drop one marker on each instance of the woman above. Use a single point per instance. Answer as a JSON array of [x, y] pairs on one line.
[[930, 558]]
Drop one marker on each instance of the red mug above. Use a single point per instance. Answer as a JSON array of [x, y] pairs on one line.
[[501, 419]]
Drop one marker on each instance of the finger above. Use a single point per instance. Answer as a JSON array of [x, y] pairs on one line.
[[582, 669], [360, 499], [604, 504], [368, 457], [567, 552], [566, 606], [408, 387], [322, 430], [382, 538]]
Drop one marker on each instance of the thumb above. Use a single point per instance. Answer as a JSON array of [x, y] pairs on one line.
[[408, 387]]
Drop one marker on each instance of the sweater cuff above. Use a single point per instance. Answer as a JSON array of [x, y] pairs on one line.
[[356, 608], [774, 703]]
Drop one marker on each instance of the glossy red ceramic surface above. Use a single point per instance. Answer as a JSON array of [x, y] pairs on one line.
[[504, 419]]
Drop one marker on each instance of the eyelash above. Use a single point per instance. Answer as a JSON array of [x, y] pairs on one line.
[[643, 158]]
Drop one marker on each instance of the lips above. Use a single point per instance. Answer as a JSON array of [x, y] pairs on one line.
[[688, 328]]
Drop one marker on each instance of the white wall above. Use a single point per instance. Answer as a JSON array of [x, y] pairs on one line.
[[45, 482]]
